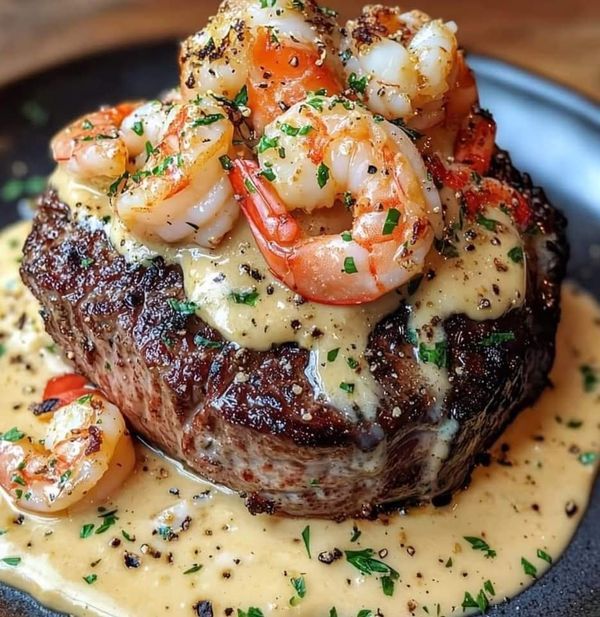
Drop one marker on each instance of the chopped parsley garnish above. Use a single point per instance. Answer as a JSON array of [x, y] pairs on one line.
[[90, 579], [249, 185], [346, 236], [359, 85], [497, 338], [349, 266], [85, 399], [391, 221], [251, 612], [322, 175], [347, 387], [332, 354], [241, 98], [299, 585], [489, 224], [365, 562], [264, 4], [528, 567], [587, 458], [138, 128], [306, 539], [293, 131], [87, 530], [226, 163], [64, 478], [128, 537], [316, 103], [208, 119], [591, 377], [449, 562], [86, 262], [268, 174], [195, 568], [489, 587], [249, 298], [201, 341], [438, 354], [86, 125], [17, 479], [114, 187], [109, 519], [150, 149], [481, 602], [544, 555], [479, 544], [2, 349], [365, 612], [333, 612], [182, 307], [266, 143], [162, 167], [11, 561], [14, 434], [352, 363], [516, 254]]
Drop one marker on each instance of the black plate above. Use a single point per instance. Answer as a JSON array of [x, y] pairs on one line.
[[550, 131]]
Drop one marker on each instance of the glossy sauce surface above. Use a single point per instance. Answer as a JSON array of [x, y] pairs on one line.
[[175, 541], [236, 294]]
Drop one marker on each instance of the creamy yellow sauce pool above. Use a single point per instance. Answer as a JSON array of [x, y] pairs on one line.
[[169, 541]]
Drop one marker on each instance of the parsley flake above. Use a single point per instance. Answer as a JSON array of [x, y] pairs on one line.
[[306, 539], [479, 544]]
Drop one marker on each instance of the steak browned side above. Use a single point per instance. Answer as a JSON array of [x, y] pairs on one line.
[[235, 415]]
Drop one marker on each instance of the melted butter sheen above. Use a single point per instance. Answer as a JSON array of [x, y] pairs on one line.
[[532, 505]]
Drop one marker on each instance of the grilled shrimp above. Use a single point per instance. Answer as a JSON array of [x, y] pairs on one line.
[[86, 451], [92, 146], [325, 150], [401, 64], [264, 54], [181, 192]]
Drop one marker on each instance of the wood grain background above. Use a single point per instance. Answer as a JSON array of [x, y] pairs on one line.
[[558, 38]]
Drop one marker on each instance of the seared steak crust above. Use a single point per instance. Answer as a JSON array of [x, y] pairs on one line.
[[237, 416]]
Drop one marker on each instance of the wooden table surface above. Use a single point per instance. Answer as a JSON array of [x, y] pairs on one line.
[[558, 38]]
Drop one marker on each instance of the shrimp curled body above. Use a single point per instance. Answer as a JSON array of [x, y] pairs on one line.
[[402, 64], [181, 191], [86, 444], [92, 146], [318, 153], [274, 51]]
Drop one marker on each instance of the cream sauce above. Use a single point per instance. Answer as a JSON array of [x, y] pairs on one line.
[[217, 280], [525, 505]]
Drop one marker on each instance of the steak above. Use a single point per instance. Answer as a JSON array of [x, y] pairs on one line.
[[237, 417]]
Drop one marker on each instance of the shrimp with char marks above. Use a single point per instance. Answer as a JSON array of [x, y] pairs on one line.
[[87, 452], [322, 151], [403, 65], [267, 55]]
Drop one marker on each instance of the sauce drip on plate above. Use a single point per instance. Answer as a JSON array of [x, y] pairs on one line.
[[170, 544]]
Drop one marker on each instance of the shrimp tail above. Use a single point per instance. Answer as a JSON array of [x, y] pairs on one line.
[[273, 227]]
